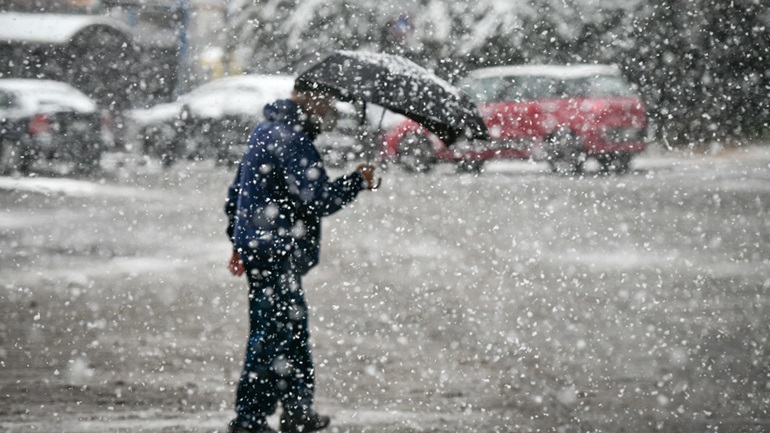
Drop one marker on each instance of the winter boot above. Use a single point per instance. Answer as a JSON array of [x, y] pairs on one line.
[[260, 428], [305, 422]]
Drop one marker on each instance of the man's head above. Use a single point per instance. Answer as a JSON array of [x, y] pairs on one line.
[[317, 104]]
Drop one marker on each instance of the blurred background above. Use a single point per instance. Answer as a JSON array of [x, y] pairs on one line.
[[701, 66]]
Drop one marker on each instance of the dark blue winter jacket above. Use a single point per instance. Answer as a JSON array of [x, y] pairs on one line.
[[281, 191]]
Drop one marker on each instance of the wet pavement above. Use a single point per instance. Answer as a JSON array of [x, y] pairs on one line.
[[513, 301]]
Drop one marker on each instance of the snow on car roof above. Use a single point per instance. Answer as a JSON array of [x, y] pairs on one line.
[[48, 94], [33, 85], [216, 98], [556, 71], [49, 28], [267, 82], [238, 94]]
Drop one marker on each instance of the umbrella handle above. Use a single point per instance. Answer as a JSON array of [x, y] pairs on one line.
[[382, 118], [376, 186], [370, 155]]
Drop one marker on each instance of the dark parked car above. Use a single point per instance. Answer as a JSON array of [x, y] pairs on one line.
[[211, 122], [49, 121], [559, 114]]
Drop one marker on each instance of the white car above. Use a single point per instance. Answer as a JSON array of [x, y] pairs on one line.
[[212, 121]]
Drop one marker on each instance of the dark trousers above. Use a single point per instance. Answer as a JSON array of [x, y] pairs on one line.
[[278, 365]]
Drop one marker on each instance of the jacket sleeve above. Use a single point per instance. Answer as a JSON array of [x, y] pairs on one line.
[[231, 205], [310, 185]]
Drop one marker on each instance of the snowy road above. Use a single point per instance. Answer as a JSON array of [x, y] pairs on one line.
[[515, 301]]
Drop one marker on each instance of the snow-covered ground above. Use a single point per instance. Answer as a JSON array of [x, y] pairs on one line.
[[513, 301]]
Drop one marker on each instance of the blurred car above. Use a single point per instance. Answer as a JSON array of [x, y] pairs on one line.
[[211, 122], [560, 114], [156, 130], [50, 120]]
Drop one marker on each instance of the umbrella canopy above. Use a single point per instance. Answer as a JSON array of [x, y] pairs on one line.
[[399, 85]]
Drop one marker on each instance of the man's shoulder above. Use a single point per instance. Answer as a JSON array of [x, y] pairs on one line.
[[273, 126], [272, 133]]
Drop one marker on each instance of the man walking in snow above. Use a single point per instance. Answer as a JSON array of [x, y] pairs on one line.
[[275, 205]]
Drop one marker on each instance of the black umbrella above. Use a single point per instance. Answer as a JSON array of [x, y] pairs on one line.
[[399, 85]]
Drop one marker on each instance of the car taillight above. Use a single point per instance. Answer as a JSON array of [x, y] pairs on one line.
[[106, 121], [108, 128], [39, 125]]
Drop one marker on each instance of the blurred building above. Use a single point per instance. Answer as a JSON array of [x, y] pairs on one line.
[[94, 53], [193, 28], [121, 52]]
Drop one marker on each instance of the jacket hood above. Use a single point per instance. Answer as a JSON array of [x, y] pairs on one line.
[[289, 112]]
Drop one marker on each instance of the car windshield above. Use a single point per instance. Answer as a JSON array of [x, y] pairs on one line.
[[598, 86], [224, 90], [516, 88], [511, 88]]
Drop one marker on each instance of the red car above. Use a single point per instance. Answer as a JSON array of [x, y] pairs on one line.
[[559, 114]]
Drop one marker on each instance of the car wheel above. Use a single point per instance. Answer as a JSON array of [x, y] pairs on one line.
[[17, 157], [615, 163], [10, 157], [416, 153], [89, 158], [564, 152], [160, 141], [170, 155], [470, 166]]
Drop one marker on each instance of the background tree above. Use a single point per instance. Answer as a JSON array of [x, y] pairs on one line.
[[701, 66]]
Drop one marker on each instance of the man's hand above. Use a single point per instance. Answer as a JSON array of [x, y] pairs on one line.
[[367, 170], [236, 265]]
